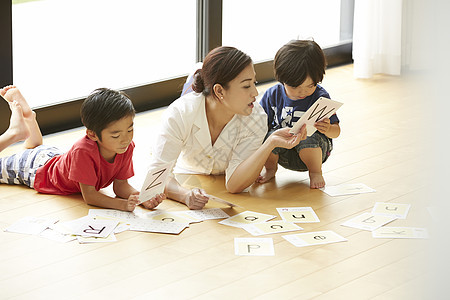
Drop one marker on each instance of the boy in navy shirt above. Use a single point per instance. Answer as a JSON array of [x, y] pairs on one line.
[[299, 67]]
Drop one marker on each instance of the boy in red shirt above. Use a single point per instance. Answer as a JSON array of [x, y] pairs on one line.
[[102, 157]]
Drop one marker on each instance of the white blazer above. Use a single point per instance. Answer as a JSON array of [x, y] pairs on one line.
[[184, 137]]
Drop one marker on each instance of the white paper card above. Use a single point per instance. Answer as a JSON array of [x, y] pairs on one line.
[[97, 228], [57, 236], [314, 238], [400, 233], [245, 218], [94, 239], [321, 109], [368, 221], [398, 210], [298, 214], [171, 217], [207, 214], [123, 216], [254, 246], [271, 227], [347, 189], [121, 227], [157, 226], [72, 226], [155, 182], [30, 225]]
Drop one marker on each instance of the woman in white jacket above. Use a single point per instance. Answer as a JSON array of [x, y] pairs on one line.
[[219, 128]]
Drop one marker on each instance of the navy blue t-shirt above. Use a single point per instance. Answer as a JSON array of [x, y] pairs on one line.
[[284, 112]]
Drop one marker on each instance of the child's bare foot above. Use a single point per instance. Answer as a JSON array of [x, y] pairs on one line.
[[266, 175], [11, 93], [316, 180], [18, 129]]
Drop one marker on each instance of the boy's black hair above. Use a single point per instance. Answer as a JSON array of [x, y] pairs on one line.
[[297, 60], [104, 106]]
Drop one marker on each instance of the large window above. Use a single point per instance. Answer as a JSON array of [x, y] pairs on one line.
[[57, 51], [64, 49], [261, 27]]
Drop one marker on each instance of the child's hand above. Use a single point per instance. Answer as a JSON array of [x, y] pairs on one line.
[[154, 202], [196, 198], [132, 202], [323, 126]]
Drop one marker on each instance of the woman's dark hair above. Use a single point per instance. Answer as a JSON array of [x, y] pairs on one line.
[[221, 66], [104, 106], [297, 60]]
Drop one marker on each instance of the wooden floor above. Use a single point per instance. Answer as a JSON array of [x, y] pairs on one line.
[[380, 123]]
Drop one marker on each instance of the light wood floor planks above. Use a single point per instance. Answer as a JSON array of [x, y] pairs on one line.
[[380, 123]]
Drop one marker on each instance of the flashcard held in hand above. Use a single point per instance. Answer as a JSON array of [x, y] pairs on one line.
[[155, 182], [321, 109]]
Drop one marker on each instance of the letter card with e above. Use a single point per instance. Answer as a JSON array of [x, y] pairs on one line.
[[314, 238]]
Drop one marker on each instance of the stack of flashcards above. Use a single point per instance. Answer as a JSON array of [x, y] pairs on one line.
[[101, 225]]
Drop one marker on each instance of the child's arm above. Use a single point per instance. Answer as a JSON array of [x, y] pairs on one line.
[[93, 197], [123, 189], [330, 130]]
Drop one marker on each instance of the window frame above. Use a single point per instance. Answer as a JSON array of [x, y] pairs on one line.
[[65, 115]]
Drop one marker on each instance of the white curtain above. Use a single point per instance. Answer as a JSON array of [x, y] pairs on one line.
[[377, 37]]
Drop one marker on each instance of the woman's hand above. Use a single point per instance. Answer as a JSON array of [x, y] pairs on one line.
[[282, 138], [155, 201], [196, 198]]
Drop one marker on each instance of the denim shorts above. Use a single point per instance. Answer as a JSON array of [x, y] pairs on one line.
[[20, 168], [290, 158]]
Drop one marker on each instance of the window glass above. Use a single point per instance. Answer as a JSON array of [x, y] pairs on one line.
[[261, 27], [63, 49]]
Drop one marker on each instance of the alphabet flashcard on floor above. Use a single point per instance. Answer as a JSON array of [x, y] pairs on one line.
[[207, 214], [314, 238], [271, 227], [157, 226], [93, 239], [347, 189], [96, 228], [124, 216], [175, 217], [31, 225], [298, 214], [70, 227], [254, 246], [391, 209], [368, 221], [245, 218], [154, 182], [400, 233], [54, 235]]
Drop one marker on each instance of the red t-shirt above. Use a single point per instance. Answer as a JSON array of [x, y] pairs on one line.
[[83, 163]]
